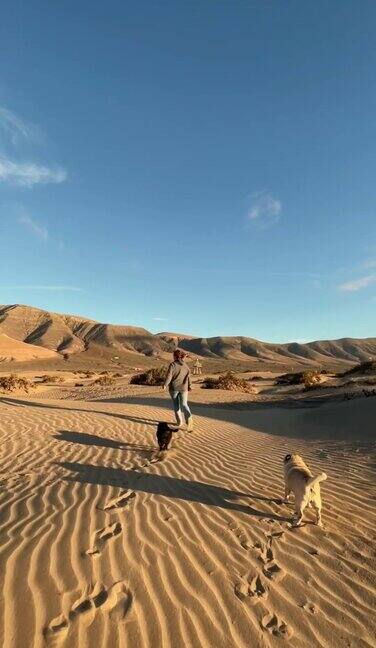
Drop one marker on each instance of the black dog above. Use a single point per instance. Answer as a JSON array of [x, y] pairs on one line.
[[164, 434]]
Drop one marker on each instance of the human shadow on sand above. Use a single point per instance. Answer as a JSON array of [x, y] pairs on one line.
[[84, 438], [293, 423], [171, 487]]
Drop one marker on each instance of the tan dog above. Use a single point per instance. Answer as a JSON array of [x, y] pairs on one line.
[[306, 488]]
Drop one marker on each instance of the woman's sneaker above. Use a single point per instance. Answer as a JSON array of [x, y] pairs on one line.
[[190, 424]]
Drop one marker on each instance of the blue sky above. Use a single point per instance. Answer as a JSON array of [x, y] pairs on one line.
[[204, 167]]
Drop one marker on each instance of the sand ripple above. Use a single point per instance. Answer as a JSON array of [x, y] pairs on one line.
[[106, 542]]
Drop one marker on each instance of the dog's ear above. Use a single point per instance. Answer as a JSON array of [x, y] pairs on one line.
[[287, 458]]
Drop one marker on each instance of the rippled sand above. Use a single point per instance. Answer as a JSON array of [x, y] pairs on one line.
[[105, 542]]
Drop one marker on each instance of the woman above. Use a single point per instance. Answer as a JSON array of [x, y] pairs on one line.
[[178, 382]]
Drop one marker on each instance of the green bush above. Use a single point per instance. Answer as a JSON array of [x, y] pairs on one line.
[[155, 376]]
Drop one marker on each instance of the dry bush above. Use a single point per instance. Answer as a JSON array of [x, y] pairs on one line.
[[104, 380], [118, 375], [370, 381], [154, 376], [228, 381], [50, 379], [14, 382], [87, 374], [311, 379], [306, 378], [362, 368], [290, 379]]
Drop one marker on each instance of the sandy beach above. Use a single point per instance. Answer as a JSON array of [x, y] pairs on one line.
[[105, 542]]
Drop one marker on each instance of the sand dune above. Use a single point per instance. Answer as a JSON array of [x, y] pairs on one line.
[[11, 349], [103, 542]]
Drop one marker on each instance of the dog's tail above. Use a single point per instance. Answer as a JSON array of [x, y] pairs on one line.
[[314, 480]]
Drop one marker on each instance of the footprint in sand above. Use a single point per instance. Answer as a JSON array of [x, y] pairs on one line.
[[162, 455], [120, 501], [275, 535], [241, 536], [275, 626], [271, 568], [116, 601], [251, 589], [101, 536], [273, 571], [309, 607]]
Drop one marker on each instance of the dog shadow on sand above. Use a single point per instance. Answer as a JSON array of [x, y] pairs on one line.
[[170, 487], [70, 436]]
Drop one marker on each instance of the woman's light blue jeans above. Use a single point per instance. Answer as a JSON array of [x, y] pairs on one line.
[[180, 403]]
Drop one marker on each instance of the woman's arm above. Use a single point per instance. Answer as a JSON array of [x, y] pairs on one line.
[[168, 377]]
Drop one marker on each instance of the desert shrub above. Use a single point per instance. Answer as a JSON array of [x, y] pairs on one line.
[[362, 368], [290, 379], [104, 380], [118, 375], [13, 382], [154, 376], [229, 381], [370, 381], [50, 379], [311, 379], [256, 378], [87, 374]]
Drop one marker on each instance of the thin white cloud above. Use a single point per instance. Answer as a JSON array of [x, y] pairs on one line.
[[160, 319], [264, 209], [40, 231], [15, 129], [28, 174], [371, 263], [358, 284], [15, 135], [42, 287]]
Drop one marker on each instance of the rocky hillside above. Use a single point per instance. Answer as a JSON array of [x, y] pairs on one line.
[[69, 336]]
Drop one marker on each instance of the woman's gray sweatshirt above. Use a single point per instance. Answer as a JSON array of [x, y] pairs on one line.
[[178, 376]]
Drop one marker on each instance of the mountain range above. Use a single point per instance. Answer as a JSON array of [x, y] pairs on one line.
[[70, 336]]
